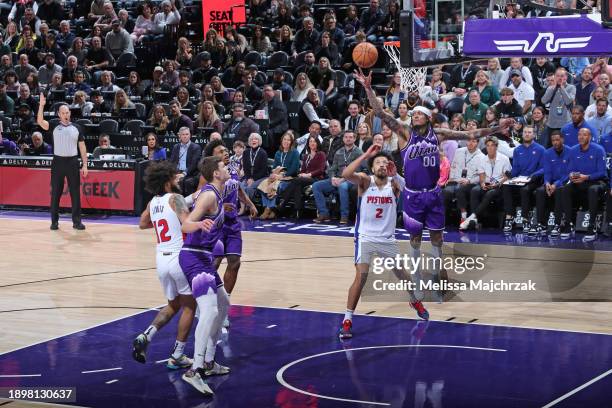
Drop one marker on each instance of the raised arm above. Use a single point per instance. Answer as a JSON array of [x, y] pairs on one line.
[[41, 109], [388, 119], [361, 180], [448, 134]]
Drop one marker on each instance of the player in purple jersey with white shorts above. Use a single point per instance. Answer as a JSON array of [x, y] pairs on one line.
[[204, 228], [231, 235], [423, 203]]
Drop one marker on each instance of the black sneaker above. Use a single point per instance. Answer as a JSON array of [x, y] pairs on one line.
[[591, 234], [526, 226], [54, 226], [508, 225], [556, 231], [78, 226], [567, 231]]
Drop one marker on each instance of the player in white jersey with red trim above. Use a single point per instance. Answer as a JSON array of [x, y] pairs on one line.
[[165, 213], [375, 224]]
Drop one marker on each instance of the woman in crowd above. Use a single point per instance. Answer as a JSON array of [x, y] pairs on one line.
[[389, 26], [26, 33], [170, 76], [402, 112], [444, 169], [390, 139], [312, 169], [184, 53], [255, 164], [144, 25], [457, 122], [394, 94], [324, 77], [286, 164], [591, 110], [538, 121], [77, 49], [182, 95], [285, 22], [10, 79], [363, 138], [96, 31], [302, 86], [153, 151], [134, 86], [208, 94], [495, 72], [351, 23], [488, 93], [122, 102], [208, 118], [327, 48], [32, 81], [11, 36], [158, 119], [231, 35], [260, 42], [210, 41]]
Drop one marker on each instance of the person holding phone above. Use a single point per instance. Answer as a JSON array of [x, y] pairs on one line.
[[493, 170]]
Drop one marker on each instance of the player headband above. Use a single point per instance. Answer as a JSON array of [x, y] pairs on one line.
[[423, 110]]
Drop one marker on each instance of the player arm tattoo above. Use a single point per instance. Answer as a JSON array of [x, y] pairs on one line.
[[180, 207], [388, 119], [448, 134], [145, 218]]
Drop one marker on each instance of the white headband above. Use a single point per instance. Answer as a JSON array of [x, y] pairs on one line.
[[423, 110]]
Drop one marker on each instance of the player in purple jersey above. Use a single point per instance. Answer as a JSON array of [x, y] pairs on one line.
[[231, 237], [423, 203], [204, 228]]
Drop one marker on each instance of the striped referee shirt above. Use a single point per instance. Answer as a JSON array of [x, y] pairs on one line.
[[66, 139]]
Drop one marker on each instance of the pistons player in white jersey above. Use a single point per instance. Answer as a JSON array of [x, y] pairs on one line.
[[165, 213], [375, 224], [423, 203]]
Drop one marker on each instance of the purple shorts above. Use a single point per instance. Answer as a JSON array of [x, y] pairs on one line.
[[231, 240], [423, 209], [200, 271]]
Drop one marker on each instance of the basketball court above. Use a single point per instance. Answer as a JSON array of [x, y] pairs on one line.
[[72, 302]]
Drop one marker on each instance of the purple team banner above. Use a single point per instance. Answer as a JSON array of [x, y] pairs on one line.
[[531, 37]]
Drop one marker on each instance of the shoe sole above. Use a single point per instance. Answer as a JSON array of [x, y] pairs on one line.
[[345, 336], [178, 367], [217, 373], [205, 391]]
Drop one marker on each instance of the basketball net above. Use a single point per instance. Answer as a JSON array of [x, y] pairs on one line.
[[413, 79]]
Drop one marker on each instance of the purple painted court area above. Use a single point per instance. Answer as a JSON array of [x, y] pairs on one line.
[[391, 362]]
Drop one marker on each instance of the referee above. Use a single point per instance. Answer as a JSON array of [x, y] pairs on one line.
[[67, 142]]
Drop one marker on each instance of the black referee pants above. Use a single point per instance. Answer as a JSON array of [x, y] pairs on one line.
[[61, 168]]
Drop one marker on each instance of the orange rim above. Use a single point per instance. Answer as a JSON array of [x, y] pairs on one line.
[[392, 43]]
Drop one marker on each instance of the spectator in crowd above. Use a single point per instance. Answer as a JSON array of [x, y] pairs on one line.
[[255, 165], [31, 52], [390, 139], [591, 110], [72, 66], [178, 120], [527, 162], [314, 130], [462, 78], [79, 84], [538, 122], [103, 143], [80, 102], [601, 123], [135, 87], [308, 65], [508, 106], [286, 166], [8, 147], [276, 112], [355, 117], [326, 48], [370, 20], [311, 110], [11, 35], [37, 147], [574, 67], [561, 97], [306, 38], [516, 64], [260, 42], [493, 170], [335, 182], [186, 156], [394, 94], [106, 82], [584, 87], [240, 127], [279, 84], [65, 37], [587, 177], [152, 150], [98, 106], [118, 40], [46, 72], [97, 57], [7, 105], [208, 118], [158, 119], [464, 175], [12, 84], [23, 69], [570, 130], [106, 19], [302, 86], [475, 109], [363, 137], [144, 25], [25, 97], [487, 92], [168, 15], [539, 71], [555, 162], [523, 92], [604, 82], [249, 89], [601, 67], [495, 72], [122, 101], [78, 50]]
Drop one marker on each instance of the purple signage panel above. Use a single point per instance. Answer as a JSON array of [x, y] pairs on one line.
[[532, 37]]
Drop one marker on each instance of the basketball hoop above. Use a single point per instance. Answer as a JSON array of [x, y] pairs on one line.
[[413, 79]]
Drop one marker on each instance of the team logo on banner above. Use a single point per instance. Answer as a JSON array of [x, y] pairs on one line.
[[552, 44]]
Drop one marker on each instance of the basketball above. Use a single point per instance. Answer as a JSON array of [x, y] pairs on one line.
[[365, 55]]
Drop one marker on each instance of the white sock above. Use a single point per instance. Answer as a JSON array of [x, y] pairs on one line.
[[208, 314], [223, 306], [179, 348], [436, 251], [348, 315], [464, 214], [150, 332]]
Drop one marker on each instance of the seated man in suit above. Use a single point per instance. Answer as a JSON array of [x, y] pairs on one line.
[[186, 156]]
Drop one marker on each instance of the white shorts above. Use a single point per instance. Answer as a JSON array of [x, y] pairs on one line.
[[366, 251], [171, 275]]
